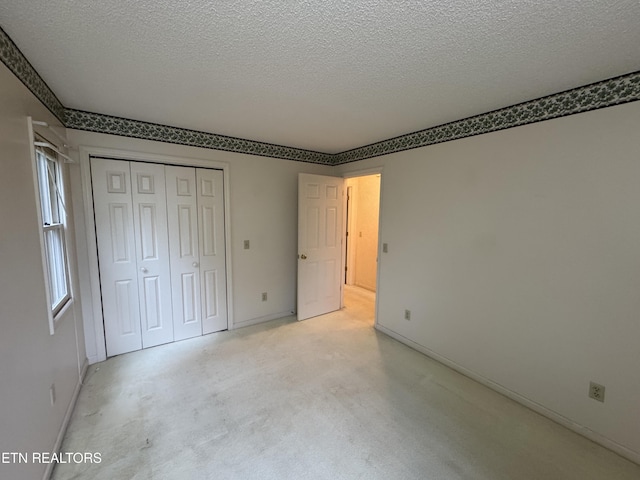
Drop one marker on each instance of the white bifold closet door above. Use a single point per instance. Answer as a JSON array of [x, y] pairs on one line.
[[212, 260], [160, 232], [113, 208], [152, 250], [185, 257], [196, 237]]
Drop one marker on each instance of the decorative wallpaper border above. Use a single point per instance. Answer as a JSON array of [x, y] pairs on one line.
[[15, 61], [96, 122], [606, 93]]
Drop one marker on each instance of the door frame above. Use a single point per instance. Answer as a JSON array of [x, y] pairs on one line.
[[364, 173], [349, 242], [91, 297]]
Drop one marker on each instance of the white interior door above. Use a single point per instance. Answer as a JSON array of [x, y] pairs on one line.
[[152, 252], [212, 257], [319, 244], [113, 207], [182, 214]]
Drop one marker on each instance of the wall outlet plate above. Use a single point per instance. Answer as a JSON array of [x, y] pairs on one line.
[[407, 314], [246, 244], [596, 391], [264, 296]]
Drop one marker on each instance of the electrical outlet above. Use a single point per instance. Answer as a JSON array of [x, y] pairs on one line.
[[385, 248], [246, 244], [264, 296], [52, 394], [596, 391], [407, 314]]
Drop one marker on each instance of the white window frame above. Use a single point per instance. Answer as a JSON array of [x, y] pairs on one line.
[[52, 219]]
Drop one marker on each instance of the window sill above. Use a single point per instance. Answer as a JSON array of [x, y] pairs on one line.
[[57, 318]]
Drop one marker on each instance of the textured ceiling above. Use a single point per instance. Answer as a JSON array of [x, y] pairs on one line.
[[322, 75]]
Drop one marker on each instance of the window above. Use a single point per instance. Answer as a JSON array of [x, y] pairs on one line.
[[51, 189]]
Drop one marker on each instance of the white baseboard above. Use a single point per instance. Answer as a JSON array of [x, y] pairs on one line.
[[266, 318], [67, 419], [536, 407], [94, 359]]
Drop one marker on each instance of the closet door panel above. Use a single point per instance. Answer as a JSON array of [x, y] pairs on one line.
[[212, 258], [182, 214], [113, 209], [152, 252]]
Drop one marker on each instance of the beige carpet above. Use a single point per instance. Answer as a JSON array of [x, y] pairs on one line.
[[327, 398]]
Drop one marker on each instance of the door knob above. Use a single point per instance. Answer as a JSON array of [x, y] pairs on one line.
[[194, 264], [144, 270], [303, 256]]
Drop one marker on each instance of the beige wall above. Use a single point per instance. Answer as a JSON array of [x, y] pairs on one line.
[[518, 254], [31, 360]]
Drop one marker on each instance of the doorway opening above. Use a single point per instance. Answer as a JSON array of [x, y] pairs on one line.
[[362, 214]]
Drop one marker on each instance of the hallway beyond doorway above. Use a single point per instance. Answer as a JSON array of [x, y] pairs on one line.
[[360, 303], [362, 214]]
